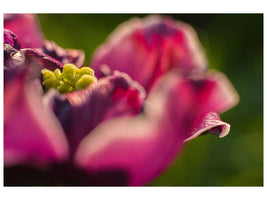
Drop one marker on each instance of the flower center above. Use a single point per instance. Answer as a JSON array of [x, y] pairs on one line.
[[70, 79]]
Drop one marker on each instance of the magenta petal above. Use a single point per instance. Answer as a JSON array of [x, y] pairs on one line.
[[81, 111], [64, 55], [43, 60], [133, 146], [199, 94], [14, 57], [31, 38], [222, 95], [32, 133], [147, 48], [51, 56], [11, 39], [26, 27], [210, 123], [192, 103], [141, 147], [144, 146]]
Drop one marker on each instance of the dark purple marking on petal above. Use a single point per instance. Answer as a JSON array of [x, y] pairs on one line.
[[217, 130], [43, 60], [75, 57], [14, 58], [60, 105], [61, 109], [160, 27], [11, 39], [210, 123]]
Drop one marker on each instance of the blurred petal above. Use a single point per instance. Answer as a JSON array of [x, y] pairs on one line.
[[32, 133], [147, 48], [12, 57], [81, 111], [63, 55], [30, 36], [13, 77], [11, 39], [26, 27], [201, 97], [129, 145], [145, 145], [43, 60], [223, 95]]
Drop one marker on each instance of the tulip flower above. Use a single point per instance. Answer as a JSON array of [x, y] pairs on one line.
[[122, 125]]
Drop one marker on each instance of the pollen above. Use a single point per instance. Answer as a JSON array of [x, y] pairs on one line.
[[70, 79]]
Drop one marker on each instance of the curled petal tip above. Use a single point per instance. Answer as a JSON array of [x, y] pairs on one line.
[[210, 123]]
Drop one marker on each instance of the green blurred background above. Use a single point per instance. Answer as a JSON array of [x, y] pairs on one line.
[[234, 45]]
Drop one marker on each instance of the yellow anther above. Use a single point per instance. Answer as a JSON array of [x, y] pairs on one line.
[[70, 79], [84, 81]]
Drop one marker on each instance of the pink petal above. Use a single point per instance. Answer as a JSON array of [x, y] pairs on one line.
[[210, 123], [133, 146], [11, 39], [223, 95], [81, 111], [147, 48], [43, 60], [14, 57], [144, 146], [32, 134], [200, 97], [28, 32], [63, 55], [26, 27]]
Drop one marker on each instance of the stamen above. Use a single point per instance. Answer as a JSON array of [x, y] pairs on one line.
[[71, 78], [84, 81]]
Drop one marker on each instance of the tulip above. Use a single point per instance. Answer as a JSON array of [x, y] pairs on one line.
[[124, 125]]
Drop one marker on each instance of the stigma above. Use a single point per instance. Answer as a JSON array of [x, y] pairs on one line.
[[70, 79]]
